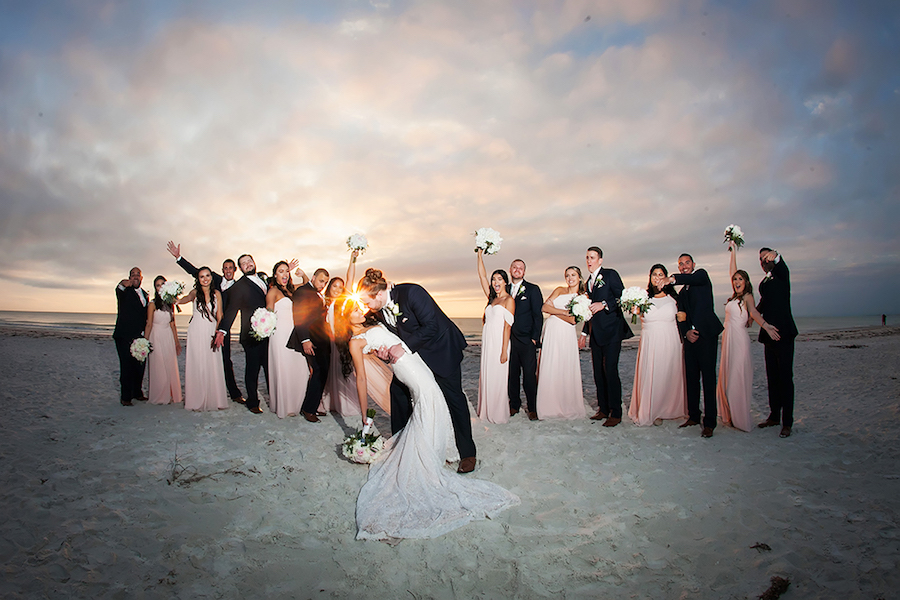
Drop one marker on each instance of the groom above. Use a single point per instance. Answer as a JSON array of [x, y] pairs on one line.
[[245, 296], [411, 313], [605, 331]]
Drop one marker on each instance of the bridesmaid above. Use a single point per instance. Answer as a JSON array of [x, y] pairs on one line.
[[288, 370], [559, 393], [734, 386], [340, 391], [165, 381], [659, 391], [493, 394], [204, 377]]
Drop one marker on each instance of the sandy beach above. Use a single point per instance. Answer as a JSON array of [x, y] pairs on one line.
[[264, 507]]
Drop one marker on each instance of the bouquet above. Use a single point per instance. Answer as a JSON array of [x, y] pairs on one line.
[[580, 308], [141, 349], [357, 242], [262, 323], [488, 240], [363, 447], [635, 301], [734, 234], [170, 290]]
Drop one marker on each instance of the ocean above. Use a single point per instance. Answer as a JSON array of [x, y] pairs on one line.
[[103, 324]]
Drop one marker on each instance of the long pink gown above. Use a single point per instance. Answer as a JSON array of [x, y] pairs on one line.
[[559, 393], [204, 378], [493, 395], [164, 378], [340, 394], [734, 387], [288, 369], [659, 391]]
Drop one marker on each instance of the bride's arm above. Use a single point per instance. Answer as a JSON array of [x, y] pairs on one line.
[[362, 387], [482, 273]]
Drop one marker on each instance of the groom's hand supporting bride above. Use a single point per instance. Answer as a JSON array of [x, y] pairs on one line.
[[390, 355]]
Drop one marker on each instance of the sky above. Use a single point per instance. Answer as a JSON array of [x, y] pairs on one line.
[[279, 129]]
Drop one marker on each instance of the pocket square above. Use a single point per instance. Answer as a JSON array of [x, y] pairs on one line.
[[404, 319]]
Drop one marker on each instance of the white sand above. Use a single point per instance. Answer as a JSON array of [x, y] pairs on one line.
[[627, 512]]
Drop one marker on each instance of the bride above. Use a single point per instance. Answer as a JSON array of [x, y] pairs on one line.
[[410, 493]]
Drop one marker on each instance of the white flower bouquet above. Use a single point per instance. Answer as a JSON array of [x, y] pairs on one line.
[[635, 301], [141, 349], [734, 234], [170, 290], [262, 323], [357, 242], [488, 240], [580, 308], [364, 447]]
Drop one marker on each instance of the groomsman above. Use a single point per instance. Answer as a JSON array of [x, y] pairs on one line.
[[525, 339], [223, 283], [775, 307], [605, 330], [310, 336], [245, 296], [131, 316], [700, 328]]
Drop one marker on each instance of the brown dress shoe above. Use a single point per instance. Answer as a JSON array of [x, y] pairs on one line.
[[599, 416], [767, 423], [532, 416], [239, 400], [311, 417], [612, 422], [688, 423], [513, 412], [256, 410], [466, 465], [785, 432], [707, 432], [320, 413], [126, 403]]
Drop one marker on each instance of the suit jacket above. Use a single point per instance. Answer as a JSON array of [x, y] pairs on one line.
[[608, 325], [244, 297], [309, 318], [424, 327], [131, 315], [528, 317], [775, 302], [696, 300]]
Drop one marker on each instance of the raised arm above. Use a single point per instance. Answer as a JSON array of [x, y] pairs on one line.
[[732, 267], [482, 272], [351, 272]]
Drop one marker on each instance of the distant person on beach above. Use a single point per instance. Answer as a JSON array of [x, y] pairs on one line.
[[604, 332], [131, 316], [524, 339], [883, 320], [775, 307], [700, 328], [222, 283]]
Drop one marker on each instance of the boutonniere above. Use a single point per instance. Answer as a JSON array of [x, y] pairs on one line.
[[521, 291], [395, 310], [599, 281], [262, 276], [768, 276]]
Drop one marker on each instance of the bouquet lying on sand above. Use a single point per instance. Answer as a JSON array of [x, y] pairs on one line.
[[364, 447]]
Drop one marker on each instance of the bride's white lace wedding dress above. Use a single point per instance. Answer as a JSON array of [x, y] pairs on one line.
[[410, 492]]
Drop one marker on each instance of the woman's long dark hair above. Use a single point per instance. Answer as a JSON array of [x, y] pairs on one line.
[[493, 295], [581, 289], [668, 289], [287, 290], [343, 330], [748, 289], [157, 300], [201, 296]]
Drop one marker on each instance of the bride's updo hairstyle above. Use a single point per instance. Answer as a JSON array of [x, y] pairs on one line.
[[372, 283]]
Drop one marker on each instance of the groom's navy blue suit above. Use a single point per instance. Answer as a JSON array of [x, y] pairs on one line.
[[424, 327], [606, 329], [245, 297]]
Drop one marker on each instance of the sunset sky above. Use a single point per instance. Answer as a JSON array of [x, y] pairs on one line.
[[641, 126]]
